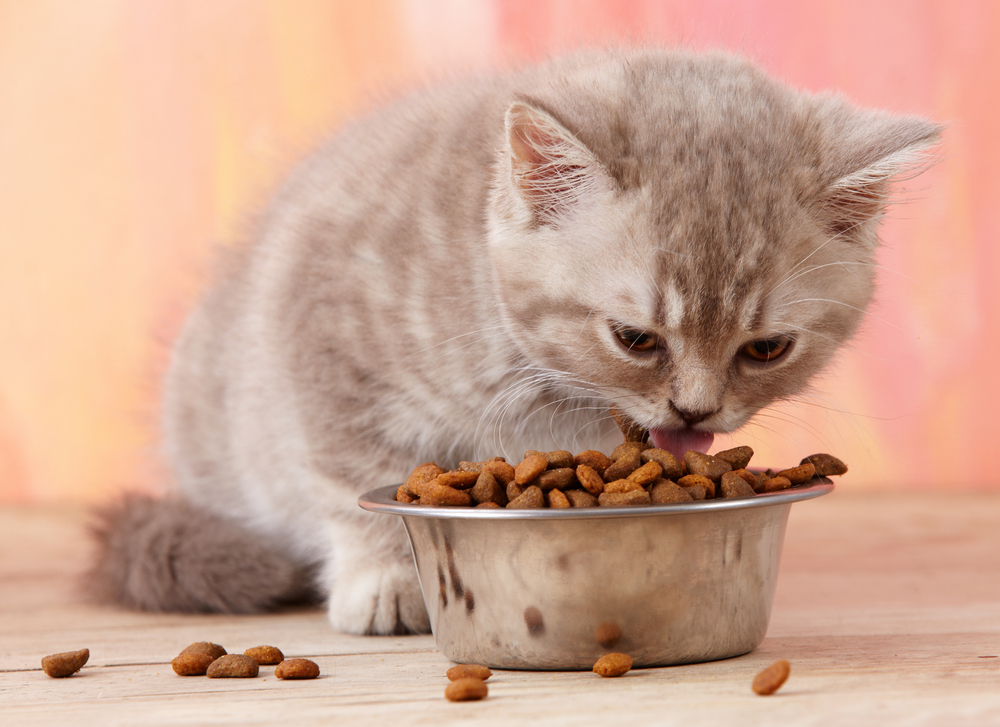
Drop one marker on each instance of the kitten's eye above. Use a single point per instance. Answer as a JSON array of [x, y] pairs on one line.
[[766, 349], [635, 340]]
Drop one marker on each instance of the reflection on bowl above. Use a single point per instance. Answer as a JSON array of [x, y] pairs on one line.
[[556, 589]]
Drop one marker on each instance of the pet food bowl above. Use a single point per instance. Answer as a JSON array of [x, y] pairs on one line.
[[555, 589]]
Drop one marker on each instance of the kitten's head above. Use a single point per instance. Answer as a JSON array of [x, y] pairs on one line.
[[685, 236]]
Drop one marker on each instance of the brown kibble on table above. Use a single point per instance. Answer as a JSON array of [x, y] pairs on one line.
[[826, 464], [771, 679], [205, 647], [608, 634], [530, 468], [466, 689], [613, 665], [265, 655], [65, 664], [235, 666], [531, 498], [737, 457], [191, 665], [297, 669], [476, 671]]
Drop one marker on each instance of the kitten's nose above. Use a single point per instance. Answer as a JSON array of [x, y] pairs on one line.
[[693, 417]]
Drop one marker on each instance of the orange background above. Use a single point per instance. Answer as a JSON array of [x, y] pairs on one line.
[[136, 135]]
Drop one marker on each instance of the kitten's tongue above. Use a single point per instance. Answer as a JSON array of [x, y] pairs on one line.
[[679, 441]]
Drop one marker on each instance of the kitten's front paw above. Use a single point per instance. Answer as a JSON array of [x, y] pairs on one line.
[[378, 598]]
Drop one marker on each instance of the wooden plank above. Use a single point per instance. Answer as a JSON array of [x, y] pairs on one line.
[[888, 608]]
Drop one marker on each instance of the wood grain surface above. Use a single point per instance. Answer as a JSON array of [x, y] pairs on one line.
[[888, 608]]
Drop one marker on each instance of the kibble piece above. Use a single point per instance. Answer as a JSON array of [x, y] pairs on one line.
[[734, 486], [478, 466], [623, 499], [487, 489], [826, 464], [556, 479], [608, 634], [627, 448], [503, 472], [597, 461], [646, 473], [622, 486], [457, 479], [488, 504], [65, 664], [266, 655], [466, 689], [613, 665], [706, 465], [531, 498], [697, 492], [421, 475], [556, 498], [672, 469], [191, 665], [589, 479], [557, 459], [622, 467], [297, 669], [771, 679], [530, 468], [665, 492], [403, 496], [799, 475], [205, 647], [775, 484], [632, 431], [580, 498], [737, 457], [700, 481], [749, 477], [239, 666], [442, 495], [514, 491], [476, 671]]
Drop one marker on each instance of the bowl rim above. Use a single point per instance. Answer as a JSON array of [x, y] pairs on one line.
[[382, 500]]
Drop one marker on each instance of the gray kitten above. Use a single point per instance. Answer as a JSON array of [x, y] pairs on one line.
[[483, 268]]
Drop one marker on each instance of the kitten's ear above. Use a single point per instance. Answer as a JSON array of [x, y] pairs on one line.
[[550, 167], [868, 154]]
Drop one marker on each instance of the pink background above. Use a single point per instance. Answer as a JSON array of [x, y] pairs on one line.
[[137, 135]]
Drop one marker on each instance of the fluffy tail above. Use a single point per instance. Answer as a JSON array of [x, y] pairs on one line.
[[167, 555]]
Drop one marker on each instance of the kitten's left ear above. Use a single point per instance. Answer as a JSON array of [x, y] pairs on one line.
[[550, 167], [870, 150]]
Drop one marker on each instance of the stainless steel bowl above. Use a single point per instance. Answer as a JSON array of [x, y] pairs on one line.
[[537, 589]]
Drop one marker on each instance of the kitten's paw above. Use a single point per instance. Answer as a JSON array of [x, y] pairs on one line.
[[378, 598]]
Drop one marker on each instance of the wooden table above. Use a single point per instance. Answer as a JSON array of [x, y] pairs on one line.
[[888, 608]]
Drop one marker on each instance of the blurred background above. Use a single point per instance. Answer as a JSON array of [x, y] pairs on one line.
[[137, 136]]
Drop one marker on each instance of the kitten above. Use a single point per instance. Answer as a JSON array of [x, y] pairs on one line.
[[483, 268]]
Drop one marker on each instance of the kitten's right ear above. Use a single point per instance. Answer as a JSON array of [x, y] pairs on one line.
[[550, 168]]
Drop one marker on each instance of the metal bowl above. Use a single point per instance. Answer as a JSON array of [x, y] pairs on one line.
[[549, 589]]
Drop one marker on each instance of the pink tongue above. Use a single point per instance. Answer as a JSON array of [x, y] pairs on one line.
[[679, 441]]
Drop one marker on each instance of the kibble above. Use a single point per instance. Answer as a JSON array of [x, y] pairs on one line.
[[770, 680], [191, 665], [613, 665], [265, 655], [475, 671], [297, 669], [466, 689], [65, 664], [237, 666]]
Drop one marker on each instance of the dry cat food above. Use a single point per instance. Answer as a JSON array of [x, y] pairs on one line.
[[265, 655], [191, 665], [770, 680], [205, 647], [233, 666], [297, 669], [65, 664], [466, 689], [613, 665], [477, 671]]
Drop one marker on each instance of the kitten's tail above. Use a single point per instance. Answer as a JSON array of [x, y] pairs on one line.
[[167, 555]]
